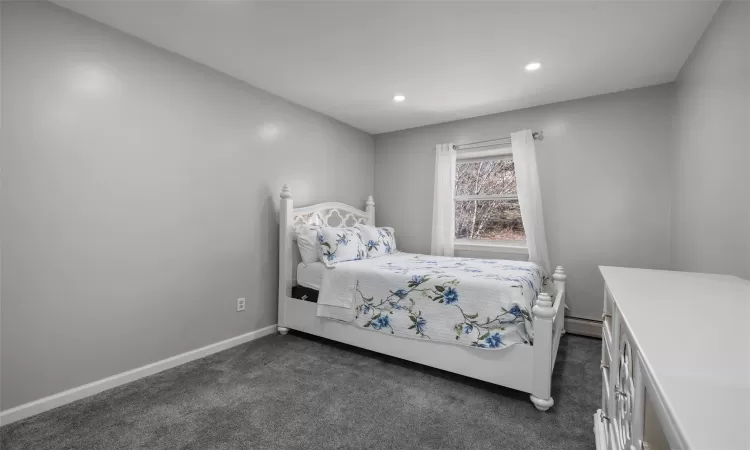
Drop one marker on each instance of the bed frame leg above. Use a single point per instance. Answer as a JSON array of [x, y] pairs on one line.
[[542, 404], [282, 330]]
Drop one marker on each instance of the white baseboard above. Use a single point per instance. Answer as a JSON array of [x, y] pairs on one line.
[[71, 395], [583, 327]]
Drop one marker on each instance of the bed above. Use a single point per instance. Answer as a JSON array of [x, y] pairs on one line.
[[525, 360]]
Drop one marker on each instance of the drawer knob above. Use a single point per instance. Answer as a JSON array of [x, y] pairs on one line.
[[619, 393]]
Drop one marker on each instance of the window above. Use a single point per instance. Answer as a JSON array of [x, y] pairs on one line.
[[487, 201]]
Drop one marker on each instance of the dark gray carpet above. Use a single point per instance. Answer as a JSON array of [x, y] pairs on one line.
[[297, 391]]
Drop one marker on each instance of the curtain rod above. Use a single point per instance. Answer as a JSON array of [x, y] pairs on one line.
[[538, 136]]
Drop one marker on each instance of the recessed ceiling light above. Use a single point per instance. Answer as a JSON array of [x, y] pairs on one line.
[[533, 66], [399, 98]]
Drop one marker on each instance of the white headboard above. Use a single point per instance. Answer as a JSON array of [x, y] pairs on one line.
[[330, 214]]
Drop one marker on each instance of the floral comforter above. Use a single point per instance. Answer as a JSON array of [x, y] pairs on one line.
[[464, 301]]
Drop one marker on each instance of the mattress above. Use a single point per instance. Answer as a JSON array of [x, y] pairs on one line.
[[310, 275]]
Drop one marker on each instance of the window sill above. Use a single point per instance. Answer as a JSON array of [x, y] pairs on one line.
[[492, 247]]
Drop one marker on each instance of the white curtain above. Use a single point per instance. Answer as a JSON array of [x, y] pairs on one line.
[[530, 197], [443, 226]]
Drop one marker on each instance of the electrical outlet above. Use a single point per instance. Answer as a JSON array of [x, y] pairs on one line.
[[240, 304]]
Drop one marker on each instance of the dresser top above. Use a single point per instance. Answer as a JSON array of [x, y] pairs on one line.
[[693, 332]]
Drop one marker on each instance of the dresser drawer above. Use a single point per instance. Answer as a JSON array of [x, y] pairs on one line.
[[606, 402], [605, 439], [607, 323], [609, 306], [607, 344]]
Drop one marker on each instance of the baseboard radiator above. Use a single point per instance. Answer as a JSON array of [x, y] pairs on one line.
[[583, 327]]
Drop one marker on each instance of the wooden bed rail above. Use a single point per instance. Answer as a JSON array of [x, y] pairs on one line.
[[548, 326]]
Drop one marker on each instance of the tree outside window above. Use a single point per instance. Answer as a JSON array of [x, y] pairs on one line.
[[487, 201]]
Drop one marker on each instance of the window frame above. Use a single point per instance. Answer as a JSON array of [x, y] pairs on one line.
[[486, 245]]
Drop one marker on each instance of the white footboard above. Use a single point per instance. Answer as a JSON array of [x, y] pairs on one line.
[[548, 327]]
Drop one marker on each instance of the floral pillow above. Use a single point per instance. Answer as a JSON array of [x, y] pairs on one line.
[[378, 241], [340, 244]]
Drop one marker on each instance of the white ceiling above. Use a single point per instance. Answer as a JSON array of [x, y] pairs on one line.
[[452, 60]]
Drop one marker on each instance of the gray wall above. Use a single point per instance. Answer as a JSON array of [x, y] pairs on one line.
[[711, 215], [604, 168], [139, 196]]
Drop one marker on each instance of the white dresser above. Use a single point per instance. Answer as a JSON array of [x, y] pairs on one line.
[[675, 361]]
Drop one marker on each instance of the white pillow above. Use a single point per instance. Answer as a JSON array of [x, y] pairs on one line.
[[308, 243], [339, 245], [378, 241]]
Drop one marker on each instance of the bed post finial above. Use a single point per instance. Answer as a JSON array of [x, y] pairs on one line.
[[543, 307], [559, 274], [370, 209], [559, 278], [286, 192]]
